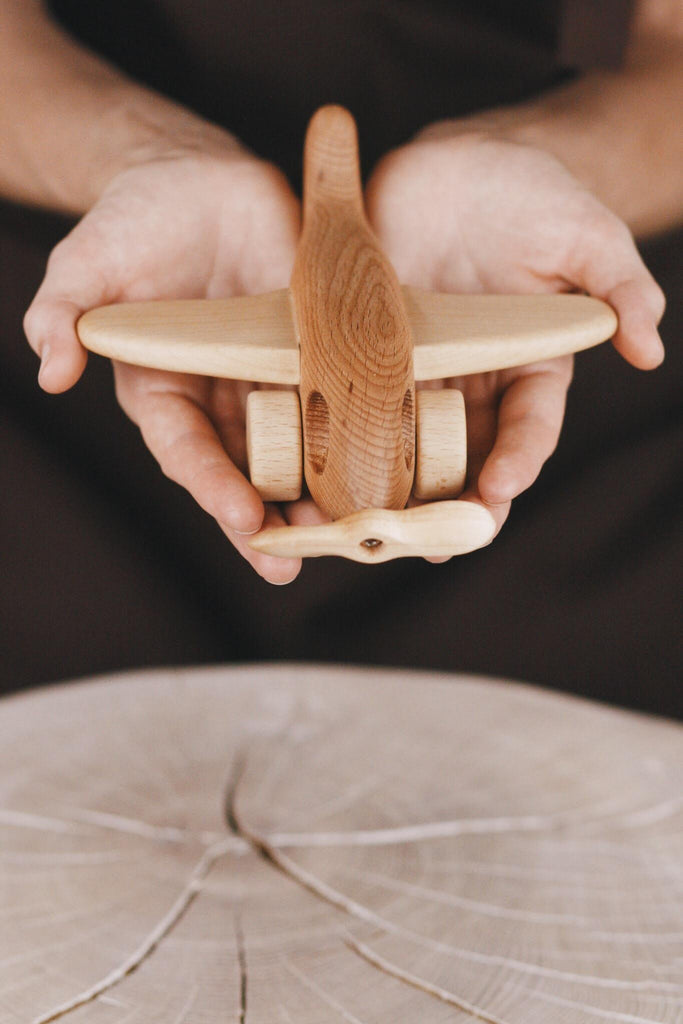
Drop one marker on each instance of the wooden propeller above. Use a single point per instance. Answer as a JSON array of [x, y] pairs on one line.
[[355, 342]]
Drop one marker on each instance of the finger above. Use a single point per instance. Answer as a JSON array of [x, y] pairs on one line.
[[499, 511], [281, 570], [639, 308], [481, 404], [182, 439], [305, 513], [609, 266], [266, 263], [278, 571], [529, 422], [227, 410], [70, 287], [481, 434], [50, 326]]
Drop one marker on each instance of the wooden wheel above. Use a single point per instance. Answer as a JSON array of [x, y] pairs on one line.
[[441, 450], [274, 445]]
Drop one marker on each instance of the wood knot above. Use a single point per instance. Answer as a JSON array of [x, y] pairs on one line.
[[408, 428], [317, 422]]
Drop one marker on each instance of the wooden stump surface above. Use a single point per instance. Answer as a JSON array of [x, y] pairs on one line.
[[268, 845]]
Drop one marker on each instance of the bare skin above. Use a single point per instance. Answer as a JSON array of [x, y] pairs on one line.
[[234, 233], [503, 217], [489, 210]]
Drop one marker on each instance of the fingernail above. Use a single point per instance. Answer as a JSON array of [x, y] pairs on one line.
[[44, 359], [238, 518]]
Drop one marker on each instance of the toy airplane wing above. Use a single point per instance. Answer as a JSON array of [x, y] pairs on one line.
[[254, 337], [455, 335]]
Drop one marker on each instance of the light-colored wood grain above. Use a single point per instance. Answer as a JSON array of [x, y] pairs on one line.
[[253, 337], [378, 534], [441, 449], [316, 845], [461, 334], [244, 338], [357, 388], [274, 445]]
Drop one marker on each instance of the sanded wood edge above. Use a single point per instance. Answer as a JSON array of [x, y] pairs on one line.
[[331, 162], [275, 444], [441, 448], [436, 530], [253, 337], [241, 338], [462, 334]]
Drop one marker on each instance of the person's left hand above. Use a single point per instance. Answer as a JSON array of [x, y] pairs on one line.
[[469, 213]]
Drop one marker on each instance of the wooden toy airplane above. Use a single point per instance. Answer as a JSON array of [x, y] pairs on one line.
[[355, 342]]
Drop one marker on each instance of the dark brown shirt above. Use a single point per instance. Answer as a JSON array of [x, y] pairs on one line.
[[105, 564], [261, 68]]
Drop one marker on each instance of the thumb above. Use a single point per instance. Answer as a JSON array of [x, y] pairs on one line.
[[71, 286], [50, 326], [609, 266]]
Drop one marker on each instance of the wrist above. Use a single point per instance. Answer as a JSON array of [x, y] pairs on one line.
[[138, 127], [70, 121]]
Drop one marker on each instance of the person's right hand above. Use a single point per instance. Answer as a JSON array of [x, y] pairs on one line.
[[192, 225]]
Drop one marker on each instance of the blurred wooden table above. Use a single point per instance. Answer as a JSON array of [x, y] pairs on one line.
[[312, 845]]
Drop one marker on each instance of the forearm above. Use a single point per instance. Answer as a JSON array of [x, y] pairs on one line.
[[619, 133], [69, 121]]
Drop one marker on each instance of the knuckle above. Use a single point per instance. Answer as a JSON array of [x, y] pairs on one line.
[[616, 231], [167, 468], [265, 179], [657, 300], [41, 330], [32, 322], [58, 254], [271, 176], [602, 226]]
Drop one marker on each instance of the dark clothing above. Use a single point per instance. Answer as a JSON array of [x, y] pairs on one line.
[[108, 565], [262, 68]]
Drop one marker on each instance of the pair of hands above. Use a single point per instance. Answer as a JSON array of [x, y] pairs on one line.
[[464, 213]]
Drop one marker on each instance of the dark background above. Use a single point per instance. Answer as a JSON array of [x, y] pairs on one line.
[[106, 565]]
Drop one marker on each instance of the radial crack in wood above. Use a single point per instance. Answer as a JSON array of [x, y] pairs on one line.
[[448, 849]]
